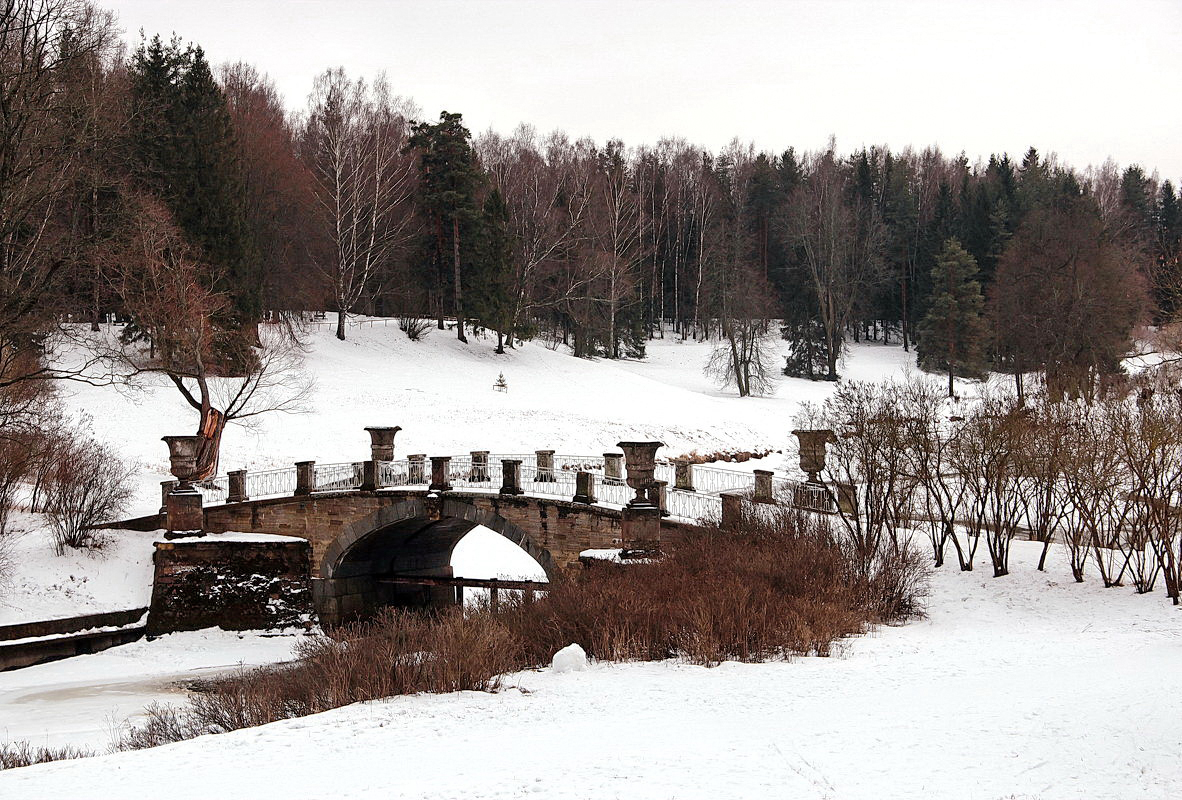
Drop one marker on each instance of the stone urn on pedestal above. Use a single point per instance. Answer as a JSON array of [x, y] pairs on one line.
[[812, 451], [640, 523], [183, 504], [640, 465]]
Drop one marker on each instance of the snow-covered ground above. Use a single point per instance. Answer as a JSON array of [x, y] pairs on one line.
[[1029, 686], [42, 585], [440, 391]]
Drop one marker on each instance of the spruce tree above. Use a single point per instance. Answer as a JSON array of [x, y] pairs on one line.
[[185, 153], [489, 286], [952, 334], [449, 178]]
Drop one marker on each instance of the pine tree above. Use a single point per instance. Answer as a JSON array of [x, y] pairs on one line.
[[952, 335], [450, 176]]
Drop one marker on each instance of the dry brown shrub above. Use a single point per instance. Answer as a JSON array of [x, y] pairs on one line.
[[770, 588], [24, 754]]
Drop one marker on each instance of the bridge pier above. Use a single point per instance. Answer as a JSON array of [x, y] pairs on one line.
[[440, 474], [683, 476]]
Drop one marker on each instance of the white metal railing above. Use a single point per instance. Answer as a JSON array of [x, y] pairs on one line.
[[271, 482], [704, 501], [329, 477]]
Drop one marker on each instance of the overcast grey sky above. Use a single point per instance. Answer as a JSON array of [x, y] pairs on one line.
[[1084, 79]]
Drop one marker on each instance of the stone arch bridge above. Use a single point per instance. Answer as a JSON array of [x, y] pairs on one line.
[[363, 523]]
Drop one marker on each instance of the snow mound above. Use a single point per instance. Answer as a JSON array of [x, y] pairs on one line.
[[571, 658]]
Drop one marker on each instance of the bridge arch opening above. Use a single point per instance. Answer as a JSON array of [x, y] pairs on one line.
[[358, 570]]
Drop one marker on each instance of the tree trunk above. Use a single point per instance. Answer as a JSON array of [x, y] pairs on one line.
[[213, 422], [340, 323], [459, 293]]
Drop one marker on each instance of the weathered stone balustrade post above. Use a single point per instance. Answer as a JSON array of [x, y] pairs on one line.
[[683, 475], [371, 475], [658, 495], [613, 468], [440, 474], [584, 487], [381, 442], [237, 490], [763, 486], [478, 473], [305, 477], [732, 510], [511, 476], [416, 469], [640, 522], [545, 464]]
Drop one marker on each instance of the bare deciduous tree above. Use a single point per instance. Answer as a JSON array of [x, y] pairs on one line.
[[354, 140]]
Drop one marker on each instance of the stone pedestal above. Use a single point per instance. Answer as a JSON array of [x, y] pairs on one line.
[[237, 492], [440, 474], [381, 442], [584, 487], [511, 476], [613, 468], [305, 477], [640, 527], [417, 468], [183, 509], [371, 475], [478, 473], [763, 486], [732, 509], [545, 462], [683, 475], [658, 495]]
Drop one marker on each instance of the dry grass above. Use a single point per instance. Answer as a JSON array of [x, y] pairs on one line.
[[774, 589], [23, 754]]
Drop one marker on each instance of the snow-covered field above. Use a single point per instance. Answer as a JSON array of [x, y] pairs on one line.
[[440, 391], [1028, 686]]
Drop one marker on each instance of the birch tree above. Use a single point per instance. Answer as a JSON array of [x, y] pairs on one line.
[[354, 141]]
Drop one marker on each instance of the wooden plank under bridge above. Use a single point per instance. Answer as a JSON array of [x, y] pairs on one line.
[[494, 585]]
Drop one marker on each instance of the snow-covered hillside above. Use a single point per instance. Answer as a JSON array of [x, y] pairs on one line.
[[1028, 686], [440, 391]]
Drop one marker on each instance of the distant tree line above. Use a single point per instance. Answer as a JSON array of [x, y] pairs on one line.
[[147, 184]]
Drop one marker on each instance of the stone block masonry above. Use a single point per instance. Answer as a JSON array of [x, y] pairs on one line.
[[236, 584]]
